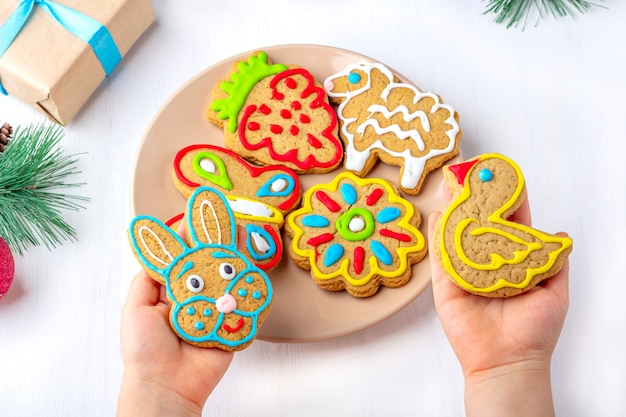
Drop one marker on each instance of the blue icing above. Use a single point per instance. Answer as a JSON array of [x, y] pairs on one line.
[[381, 252], [191, 311], [388, 214], [242, 292], [263, 234], [485, 175], [315, 220], [207, 312], [348, 193], [266, 189], [333, 254], [256, 295], [199, 325], [354, 78]]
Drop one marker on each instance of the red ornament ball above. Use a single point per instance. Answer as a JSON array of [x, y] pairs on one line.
[[7, 267]]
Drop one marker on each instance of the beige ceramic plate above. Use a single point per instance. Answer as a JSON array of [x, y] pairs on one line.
[[301, 311]]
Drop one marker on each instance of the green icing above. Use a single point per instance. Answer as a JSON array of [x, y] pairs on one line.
[[241, 83], [343, 224], [220, 177]]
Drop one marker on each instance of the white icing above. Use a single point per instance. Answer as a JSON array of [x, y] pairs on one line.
[[207, 165], [278, 185], [413, 165], [249, 207], [259, 241], [356, 224], [205, 222], [143, 229]]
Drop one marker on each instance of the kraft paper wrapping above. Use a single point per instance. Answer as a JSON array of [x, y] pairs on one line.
[[53, 70]]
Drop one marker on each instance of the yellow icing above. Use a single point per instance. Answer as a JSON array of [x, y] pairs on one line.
[[496, 218]]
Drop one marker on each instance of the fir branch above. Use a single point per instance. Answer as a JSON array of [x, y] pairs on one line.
[[33, 169], [514, 11]]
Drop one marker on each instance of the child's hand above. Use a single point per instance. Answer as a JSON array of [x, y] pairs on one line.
[[162, 374], [504, 346]]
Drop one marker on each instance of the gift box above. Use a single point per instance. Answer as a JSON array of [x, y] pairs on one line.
[[54, 54]]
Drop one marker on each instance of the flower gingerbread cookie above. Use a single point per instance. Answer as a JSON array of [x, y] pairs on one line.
[[356, 234], [478, 248], [276, 114], [260, 197], [382, 118], [218, 297]]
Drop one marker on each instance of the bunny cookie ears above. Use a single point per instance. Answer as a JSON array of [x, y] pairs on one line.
[[219, 298]]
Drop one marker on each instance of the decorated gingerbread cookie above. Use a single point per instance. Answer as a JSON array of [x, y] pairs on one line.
[[276, 114], [260, 197], [477, 247], [219, 298], [383, 118], [356, 234]]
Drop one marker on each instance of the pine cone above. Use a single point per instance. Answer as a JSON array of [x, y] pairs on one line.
[[5, 134]]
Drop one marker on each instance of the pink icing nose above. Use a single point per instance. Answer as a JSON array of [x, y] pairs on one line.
[[226, 304], [329, 85]]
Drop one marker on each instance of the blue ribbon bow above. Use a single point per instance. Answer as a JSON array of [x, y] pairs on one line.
[[78, 24]]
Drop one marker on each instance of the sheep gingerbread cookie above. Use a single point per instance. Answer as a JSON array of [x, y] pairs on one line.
[[383, 118], [356, 234], [276, 114], [219, 298], [477, 247]]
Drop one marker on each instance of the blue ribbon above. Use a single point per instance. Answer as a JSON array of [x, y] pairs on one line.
[[78, 24]]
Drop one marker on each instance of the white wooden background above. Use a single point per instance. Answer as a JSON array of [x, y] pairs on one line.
[[552, 97]]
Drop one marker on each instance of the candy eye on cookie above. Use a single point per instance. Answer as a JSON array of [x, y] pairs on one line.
[[195, 283]]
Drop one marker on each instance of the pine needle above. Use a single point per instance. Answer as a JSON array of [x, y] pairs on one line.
[[515, 11], [33, 169]]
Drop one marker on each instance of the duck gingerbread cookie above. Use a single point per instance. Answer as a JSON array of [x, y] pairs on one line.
[[477, 247]]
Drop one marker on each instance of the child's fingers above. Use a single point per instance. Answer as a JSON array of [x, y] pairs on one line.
[[143, 291]]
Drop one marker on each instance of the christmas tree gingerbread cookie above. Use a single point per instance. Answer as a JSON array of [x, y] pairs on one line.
[[356, 234], [384, 119], [276, 114]]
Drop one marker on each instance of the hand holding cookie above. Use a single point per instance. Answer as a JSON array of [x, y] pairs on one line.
[[504, 345], [161, 372]]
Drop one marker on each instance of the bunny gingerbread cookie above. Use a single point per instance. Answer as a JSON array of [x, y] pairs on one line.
[[219, 298], [381, 118], [276, 114], [478, 248], [260, 197]]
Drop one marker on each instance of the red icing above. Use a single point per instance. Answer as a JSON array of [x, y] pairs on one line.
[[234, 329], [294, 130], [285, 114], [324, 139], [394, 235], [359, 256], [276, 129], [264, 109], [461, 170], [319, 239], [313, 141], [374, 196], [291, 83], [327, 201], [253, 126]]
